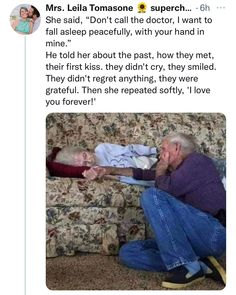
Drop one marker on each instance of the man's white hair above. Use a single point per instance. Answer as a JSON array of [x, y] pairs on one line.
[[187, 142], [67, 155]]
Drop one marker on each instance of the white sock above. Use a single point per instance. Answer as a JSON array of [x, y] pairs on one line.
[[193, 267]]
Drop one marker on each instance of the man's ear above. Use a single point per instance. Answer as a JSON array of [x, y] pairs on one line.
[[178, 148]]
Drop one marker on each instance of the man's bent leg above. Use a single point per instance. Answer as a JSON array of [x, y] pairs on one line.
[[205, 233], [171, 239], [177, 222], [142, 255]]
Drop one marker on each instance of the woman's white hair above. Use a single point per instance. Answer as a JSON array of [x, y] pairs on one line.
[[67, 155], [187, 142]]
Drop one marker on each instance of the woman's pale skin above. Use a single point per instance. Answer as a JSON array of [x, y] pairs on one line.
[[24, 15], [84, 158]]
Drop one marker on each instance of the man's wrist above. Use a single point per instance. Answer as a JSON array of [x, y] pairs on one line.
[[161, 168], [119, 171], [109, 171]]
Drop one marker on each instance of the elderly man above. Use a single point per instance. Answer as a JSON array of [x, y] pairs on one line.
[[186, 211]]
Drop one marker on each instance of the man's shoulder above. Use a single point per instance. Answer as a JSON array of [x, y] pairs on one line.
[[198, 158], [197, 155]]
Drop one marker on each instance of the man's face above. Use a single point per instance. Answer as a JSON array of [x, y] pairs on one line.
[[30, 11], [84, 158], [170, 152]]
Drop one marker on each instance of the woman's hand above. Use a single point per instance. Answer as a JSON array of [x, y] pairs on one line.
[[95, 172]]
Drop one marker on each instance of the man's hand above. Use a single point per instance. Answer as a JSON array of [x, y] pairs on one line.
[[163, 164], [95, 172]]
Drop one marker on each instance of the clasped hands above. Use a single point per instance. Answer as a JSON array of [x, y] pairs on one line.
[[95, 172]]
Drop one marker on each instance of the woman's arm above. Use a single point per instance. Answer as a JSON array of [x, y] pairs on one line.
[[14, 23], [99, 172], [137, 173]]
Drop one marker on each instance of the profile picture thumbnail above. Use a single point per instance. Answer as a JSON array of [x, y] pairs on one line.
[[25, 19]]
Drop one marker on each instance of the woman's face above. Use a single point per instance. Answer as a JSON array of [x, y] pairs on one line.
[[84, 158], [24, 13]]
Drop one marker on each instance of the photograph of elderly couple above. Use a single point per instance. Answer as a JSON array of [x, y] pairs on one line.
[[135, 201]]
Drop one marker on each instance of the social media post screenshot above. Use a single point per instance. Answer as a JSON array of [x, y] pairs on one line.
[[122, 110], [103, 209]]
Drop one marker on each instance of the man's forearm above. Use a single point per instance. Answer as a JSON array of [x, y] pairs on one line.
[[119, 171]]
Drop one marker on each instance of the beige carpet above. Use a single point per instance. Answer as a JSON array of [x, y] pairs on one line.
[[97, 272]]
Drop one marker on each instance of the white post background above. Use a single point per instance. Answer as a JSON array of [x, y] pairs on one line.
[[23, 206]]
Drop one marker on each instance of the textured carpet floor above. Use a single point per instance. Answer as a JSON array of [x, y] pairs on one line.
[[97, 272]]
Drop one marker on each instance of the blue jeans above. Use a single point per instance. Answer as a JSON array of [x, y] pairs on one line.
[[183, 234]]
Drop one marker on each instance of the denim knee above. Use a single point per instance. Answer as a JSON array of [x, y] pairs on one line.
[[146, 196], [125, 254], [218, 241]]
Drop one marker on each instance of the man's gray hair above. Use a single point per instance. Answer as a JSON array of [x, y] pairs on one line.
[[187, 142], [67, 155]]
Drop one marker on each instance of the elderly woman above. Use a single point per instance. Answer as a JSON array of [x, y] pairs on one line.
[[74, 162], [108, 154]]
